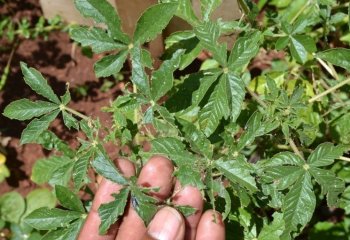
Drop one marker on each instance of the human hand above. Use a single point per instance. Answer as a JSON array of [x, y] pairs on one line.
[[168, 223]]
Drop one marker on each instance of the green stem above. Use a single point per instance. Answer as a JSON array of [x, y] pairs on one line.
[[346, 159], [5, 74], [326, 86], [256, 98], [334, 108], [295, 148], [279, 35], [136, 118], [330, 90], [76, 113], [285, 147], [328, 68]]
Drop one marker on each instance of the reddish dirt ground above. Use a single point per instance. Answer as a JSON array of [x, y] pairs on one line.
[[61, 62]]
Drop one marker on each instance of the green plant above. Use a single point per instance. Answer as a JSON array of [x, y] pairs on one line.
[[263, 134], [13, 32], [14, 208]]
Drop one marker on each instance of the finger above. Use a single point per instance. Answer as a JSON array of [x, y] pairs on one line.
[[208, 229], [167, 224], [104, 195], [189, 196], [157, 172]]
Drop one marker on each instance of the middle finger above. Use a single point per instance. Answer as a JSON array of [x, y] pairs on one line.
[[158, 172]]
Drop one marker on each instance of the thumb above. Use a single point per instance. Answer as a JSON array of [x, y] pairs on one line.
[[167, 224]]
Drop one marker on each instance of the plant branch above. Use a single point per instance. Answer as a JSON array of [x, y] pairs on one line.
[[346, 159], [328, 68], [136, 118], [286, 147], [326, 86], [257, 98], [5, 74], [295, 148], [76, 113], [332, 89]]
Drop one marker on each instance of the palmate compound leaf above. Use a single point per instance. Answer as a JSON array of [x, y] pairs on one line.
[[325, 154], [97, 38], [103, 12], [216, 108], [299, 204], [153, 21], [38, 83], [238, 171], [110, 212], [110, 64], [162, 78], [68, 199], [37, 126], [286, 170], [25, 109], [49, 219], [244, 49], [337, 56]]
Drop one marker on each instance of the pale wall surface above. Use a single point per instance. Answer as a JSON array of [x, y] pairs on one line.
[[130, 11]]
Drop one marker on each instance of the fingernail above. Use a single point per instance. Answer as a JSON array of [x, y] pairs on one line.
[[166, 224]]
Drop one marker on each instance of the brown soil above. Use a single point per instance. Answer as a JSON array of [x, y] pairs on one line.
[[61, 62]]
